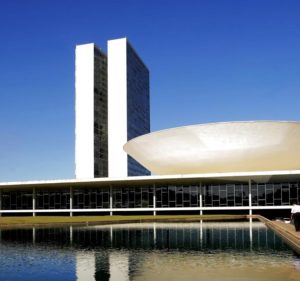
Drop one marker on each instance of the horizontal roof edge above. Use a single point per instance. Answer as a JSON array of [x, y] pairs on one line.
[[150, 178]]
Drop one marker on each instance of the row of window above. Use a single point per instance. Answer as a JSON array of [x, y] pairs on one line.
[[167, 196], [133, 197], [177, 196], [275, 194], [225, 195]]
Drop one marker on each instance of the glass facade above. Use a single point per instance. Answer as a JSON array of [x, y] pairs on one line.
[[52, 199], [142, 196], [16, 200], [170, 196], [275, 194], [133, 197], [223, 195], [100, 115], [138, 107], [91, 198]]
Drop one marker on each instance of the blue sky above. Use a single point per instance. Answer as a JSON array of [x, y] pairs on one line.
[[209, 61]]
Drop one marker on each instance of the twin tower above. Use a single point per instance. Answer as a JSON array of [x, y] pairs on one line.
[[111, 107]]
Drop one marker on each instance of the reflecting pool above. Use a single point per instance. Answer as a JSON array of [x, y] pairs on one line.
[[152, 251]]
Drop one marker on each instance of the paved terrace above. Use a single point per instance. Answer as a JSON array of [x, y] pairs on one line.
[[285, 230]]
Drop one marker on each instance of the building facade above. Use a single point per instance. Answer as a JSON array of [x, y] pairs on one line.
[[111, 107], [246, 167], [249, 193]]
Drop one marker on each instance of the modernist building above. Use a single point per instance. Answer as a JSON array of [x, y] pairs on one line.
[[111, 107], [244, 167]]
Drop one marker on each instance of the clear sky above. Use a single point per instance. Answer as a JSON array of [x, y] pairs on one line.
[[209, 61]]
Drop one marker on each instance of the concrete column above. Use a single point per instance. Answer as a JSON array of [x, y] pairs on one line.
[[71, 201], [250, 198], [200, 199], [110, 201], [154, 200], [33, 201]]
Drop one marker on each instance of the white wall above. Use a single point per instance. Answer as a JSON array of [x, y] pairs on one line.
[[117, 107], [84, 111]]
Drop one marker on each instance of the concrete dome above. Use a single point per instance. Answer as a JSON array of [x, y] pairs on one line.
[[219, 147]]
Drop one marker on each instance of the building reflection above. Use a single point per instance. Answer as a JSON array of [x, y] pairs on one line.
[[86, 266], [112, 266], [116, 252]]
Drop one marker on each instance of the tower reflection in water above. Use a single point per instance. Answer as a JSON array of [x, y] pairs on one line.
[[122, 252]]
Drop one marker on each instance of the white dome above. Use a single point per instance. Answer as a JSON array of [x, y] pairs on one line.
[[219, 147]]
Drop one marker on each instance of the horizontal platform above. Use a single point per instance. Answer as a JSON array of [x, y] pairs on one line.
[[285, 231]]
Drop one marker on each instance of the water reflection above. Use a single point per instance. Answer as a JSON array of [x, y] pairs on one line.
[[189, 251], [188, 236]]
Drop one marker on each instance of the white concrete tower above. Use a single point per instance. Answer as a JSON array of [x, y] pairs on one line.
[[128, 106], [90, 112], [111, 107]]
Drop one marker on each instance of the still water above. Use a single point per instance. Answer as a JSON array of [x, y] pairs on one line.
[[153, 251]]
